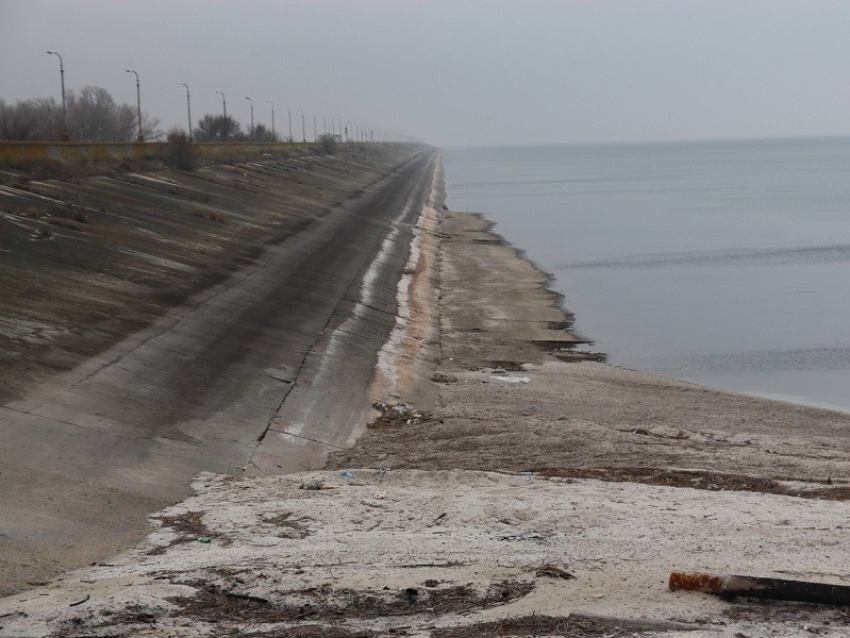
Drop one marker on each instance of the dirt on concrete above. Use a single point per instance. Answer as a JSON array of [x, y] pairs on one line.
[[516, 405]]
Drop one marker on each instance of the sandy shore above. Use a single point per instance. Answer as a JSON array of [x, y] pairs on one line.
[[524, 489]]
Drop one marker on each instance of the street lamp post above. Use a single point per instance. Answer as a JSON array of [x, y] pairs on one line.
[[303, 127], [224, 106], [138, 103], [252, 116], [274, 134], [315, 130], [290, 123], [64, 111], [188, 109]]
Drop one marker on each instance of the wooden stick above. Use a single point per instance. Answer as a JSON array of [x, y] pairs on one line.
[[765, 588]]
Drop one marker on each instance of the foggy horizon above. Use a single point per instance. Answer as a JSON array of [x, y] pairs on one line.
[[470, 73]]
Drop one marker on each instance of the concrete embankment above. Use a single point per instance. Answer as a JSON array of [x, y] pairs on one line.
[[99, 253], [157, 324]]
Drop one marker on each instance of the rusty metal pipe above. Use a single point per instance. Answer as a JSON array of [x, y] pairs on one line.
[[729, 586]]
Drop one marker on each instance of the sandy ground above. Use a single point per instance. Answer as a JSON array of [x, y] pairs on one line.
[[528, 490]]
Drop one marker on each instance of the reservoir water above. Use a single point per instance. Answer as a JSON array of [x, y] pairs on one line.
[[722, 263]]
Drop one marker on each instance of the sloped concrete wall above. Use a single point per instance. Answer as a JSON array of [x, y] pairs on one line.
[[12, 152]]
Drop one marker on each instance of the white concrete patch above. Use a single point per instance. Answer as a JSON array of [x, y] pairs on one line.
[[388, 357]]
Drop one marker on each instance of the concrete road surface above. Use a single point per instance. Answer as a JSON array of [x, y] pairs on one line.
[[285, 347]]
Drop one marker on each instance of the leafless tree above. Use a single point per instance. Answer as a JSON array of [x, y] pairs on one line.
[[92, 115], [48, 114], [180, 153], [16, 122], [214, 128], [262, 134]]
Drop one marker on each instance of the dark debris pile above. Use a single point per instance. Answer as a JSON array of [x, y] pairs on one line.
[[394, 414]]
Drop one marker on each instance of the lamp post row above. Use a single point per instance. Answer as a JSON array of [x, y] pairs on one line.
[[141, 138]]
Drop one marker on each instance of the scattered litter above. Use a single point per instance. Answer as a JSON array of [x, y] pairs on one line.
[[499, 371], [312, 485], [562, 417], [381, 495], [512, 379], [80, 602], [204, 539], [398, 414], [347, 475], [527, 473], [729, 586]]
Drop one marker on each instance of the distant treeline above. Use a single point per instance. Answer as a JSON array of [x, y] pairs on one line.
[[93, 115]]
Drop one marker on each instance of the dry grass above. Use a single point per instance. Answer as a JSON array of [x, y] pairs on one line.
[[696, 479], [59, 214], [190, 526], [206, 213], [572, 626], [66, 224], [292, 528], [214, 605], [759, 611]]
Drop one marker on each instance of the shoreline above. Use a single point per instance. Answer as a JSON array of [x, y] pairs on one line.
[[648, 260], [508, 465]]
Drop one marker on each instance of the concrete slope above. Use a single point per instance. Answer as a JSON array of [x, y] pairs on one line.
[[88, 454], [102, 252]]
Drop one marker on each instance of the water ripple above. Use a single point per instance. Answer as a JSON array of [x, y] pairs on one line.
[[837, 253], [812, 359]]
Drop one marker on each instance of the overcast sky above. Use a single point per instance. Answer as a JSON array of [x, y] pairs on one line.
[[455, 72]]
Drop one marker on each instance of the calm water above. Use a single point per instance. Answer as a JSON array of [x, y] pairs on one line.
[[723, 263]]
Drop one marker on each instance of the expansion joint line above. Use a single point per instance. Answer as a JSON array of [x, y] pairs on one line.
[[307, 438]]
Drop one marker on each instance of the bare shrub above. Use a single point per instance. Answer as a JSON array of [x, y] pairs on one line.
[[206, 213], [327, 144], [180, 153]]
